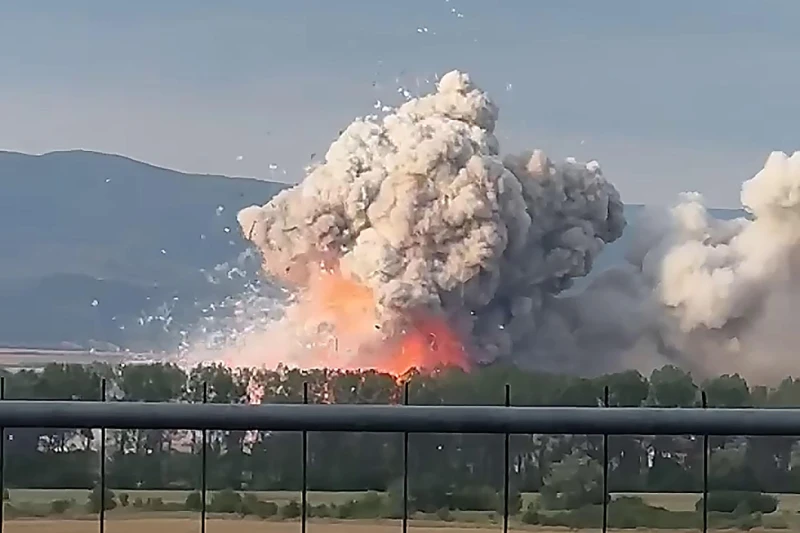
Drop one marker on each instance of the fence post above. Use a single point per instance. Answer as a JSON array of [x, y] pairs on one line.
[[506, 474], [204, 468], [304, 493], [705, 468], [2, 459], [102, 463], [605, 467], [405, 464]]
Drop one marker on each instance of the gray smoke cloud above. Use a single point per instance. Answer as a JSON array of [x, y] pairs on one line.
[[421, 207], [728, 290]]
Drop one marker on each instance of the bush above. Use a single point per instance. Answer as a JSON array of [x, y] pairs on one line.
[[60, 506], [124, 499], [194, 502], [531, 514], [623, 513], [97, 498], [371, 505], [444, 515], [265, 509], [154, 504], [320, 511], [226, 501], [739, 502], [291, 510], [138, 502], [249, 504], [6, 495]]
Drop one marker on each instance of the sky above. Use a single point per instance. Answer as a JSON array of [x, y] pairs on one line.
[[667, 96]]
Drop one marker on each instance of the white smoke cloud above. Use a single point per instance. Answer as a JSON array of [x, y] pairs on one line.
[[421, 208], [729, 289]]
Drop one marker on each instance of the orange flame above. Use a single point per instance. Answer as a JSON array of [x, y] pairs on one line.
[[352, 338]]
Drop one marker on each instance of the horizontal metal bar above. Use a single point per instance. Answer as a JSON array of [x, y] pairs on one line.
[[397, 418]]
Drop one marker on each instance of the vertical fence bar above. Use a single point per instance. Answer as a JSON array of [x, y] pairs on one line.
[[605, 467], [204, 468], [2, 459], [705, 468], [506, 473], [405, 465], [103, 463], [304, 493]]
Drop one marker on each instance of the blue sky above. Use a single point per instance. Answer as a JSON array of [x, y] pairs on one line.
[[668, 96]]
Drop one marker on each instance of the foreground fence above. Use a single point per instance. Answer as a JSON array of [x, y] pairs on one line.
[[501, 420]]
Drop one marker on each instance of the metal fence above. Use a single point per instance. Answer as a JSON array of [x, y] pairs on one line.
[[501, 420]]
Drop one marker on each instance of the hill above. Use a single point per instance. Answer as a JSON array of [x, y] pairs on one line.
[[97, 245], [94, 241]]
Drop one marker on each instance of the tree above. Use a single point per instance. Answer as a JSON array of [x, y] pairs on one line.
[[458, 467], [99, 499], [574, 481]]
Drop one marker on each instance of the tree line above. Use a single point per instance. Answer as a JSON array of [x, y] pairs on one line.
[[149, 459]]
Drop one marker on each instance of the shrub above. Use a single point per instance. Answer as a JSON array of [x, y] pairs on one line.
[[6, 495], [249, 504], [124, 499], [97, 498], [154, 504], [291, 510], [371, 505], [265, 509], [138, 502], [739, 502], [194, 502], [226, 501], [60, 506], [444, 514], [531, 514], [319, 511], [748, 522], [623, 513]]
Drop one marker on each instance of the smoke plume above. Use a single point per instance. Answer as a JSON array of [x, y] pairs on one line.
[[728, 289], [420, 216], [417, 243]]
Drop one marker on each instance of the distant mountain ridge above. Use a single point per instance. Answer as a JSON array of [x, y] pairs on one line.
[[85, 226], [94, 243]]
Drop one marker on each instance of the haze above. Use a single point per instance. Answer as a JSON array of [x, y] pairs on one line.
[[669, 97]]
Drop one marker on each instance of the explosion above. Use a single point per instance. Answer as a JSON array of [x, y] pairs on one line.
[[415, 244]]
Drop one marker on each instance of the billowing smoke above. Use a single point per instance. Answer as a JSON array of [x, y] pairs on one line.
[[421, 210], [416, 235], [729, 289]]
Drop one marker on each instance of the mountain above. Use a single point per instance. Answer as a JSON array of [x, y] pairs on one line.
[[93, 242], [100, 249]]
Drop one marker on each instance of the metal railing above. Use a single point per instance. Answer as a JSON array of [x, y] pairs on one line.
[[501, 420]]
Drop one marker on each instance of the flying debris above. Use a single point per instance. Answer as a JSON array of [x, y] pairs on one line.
[[421, 228]]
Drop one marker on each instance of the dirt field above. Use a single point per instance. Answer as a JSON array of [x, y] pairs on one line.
[[184, 525]]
